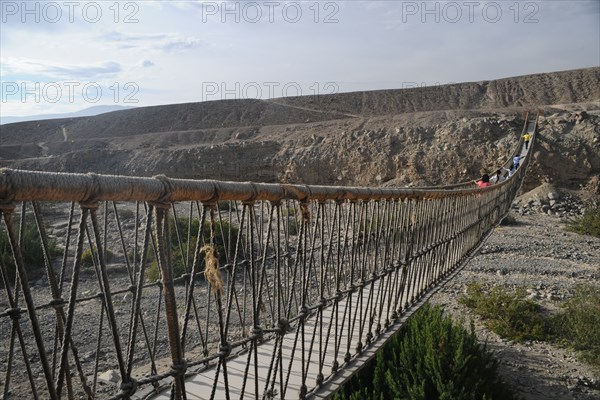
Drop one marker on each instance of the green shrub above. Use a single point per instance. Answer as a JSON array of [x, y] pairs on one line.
[[588, 224], [509, 314], [177, 263], [87, 257], [430, 358], [31, 249], [578, 325]]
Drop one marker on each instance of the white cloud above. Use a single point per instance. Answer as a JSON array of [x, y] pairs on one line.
[[174, 48], [49, 70], [166, 42]]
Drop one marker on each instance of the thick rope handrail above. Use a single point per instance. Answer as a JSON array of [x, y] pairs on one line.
[[22, 185]]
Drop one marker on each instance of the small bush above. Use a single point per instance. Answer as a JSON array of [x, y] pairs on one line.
[[31, 249], [153, 272], [578, 325], [587, 224], [87, 257], [509, 314], [430, 358]]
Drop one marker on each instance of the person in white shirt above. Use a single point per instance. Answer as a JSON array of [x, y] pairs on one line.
[[498, 177], [511, 171]]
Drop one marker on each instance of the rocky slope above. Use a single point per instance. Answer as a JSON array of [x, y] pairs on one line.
[[422, 136]]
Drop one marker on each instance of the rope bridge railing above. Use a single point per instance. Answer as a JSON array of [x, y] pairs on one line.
[[115, 286]]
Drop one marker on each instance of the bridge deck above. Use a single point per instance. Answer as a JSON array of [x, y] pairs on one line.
[[242, 386]]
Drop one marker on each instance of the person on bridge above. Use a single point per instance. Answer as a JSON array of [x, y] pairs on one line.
[[498, 177], [526, 139], [516, 161], [484, 181], [511, 171]]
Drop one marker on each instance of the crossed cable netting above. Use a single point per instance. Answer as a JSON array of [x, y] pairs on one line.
[[233, 290]]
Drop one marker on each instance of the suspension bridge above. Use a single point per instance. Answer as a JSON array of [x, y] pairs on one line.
[[161, 288]]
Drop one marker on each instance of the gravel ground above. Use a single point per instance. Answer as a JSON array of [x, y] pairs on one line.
[[538, 254]]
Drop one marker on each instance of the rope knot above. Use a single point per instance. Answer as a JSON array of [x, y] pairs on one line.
[[128, 389], [303, 391], [179, 369], [13, 313], [167, 190], [323, 302], [303, 312], [91, 192], [56, 303], [225, 350], [320, 378], [335, 366], [359, 347], [257, 332], [284, 326]]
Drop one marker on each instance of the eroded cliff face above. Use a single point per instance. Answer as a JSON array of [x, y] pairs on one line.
[[568, 151], [410, 137]]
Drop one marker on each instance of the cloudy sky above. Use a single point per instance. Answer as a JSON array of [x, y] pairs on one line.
[[64, 56]]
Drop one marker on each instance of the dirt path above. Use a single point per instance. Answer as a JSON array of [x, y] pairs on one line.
[[538, 254]]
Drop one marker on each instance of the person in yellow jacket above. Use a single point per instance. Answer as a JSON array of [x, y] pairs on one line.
[[526, 139]]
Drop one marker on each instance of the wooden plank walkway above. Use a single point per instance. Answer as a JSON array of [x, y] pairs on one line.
[[200, 386]]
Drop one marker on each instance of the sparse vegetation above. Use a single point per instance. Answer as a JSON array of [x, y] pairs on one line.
[[512, 316], [578, 325], [509, 314], [31, 249], [588, 223], [430, 358], [87, 257]]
